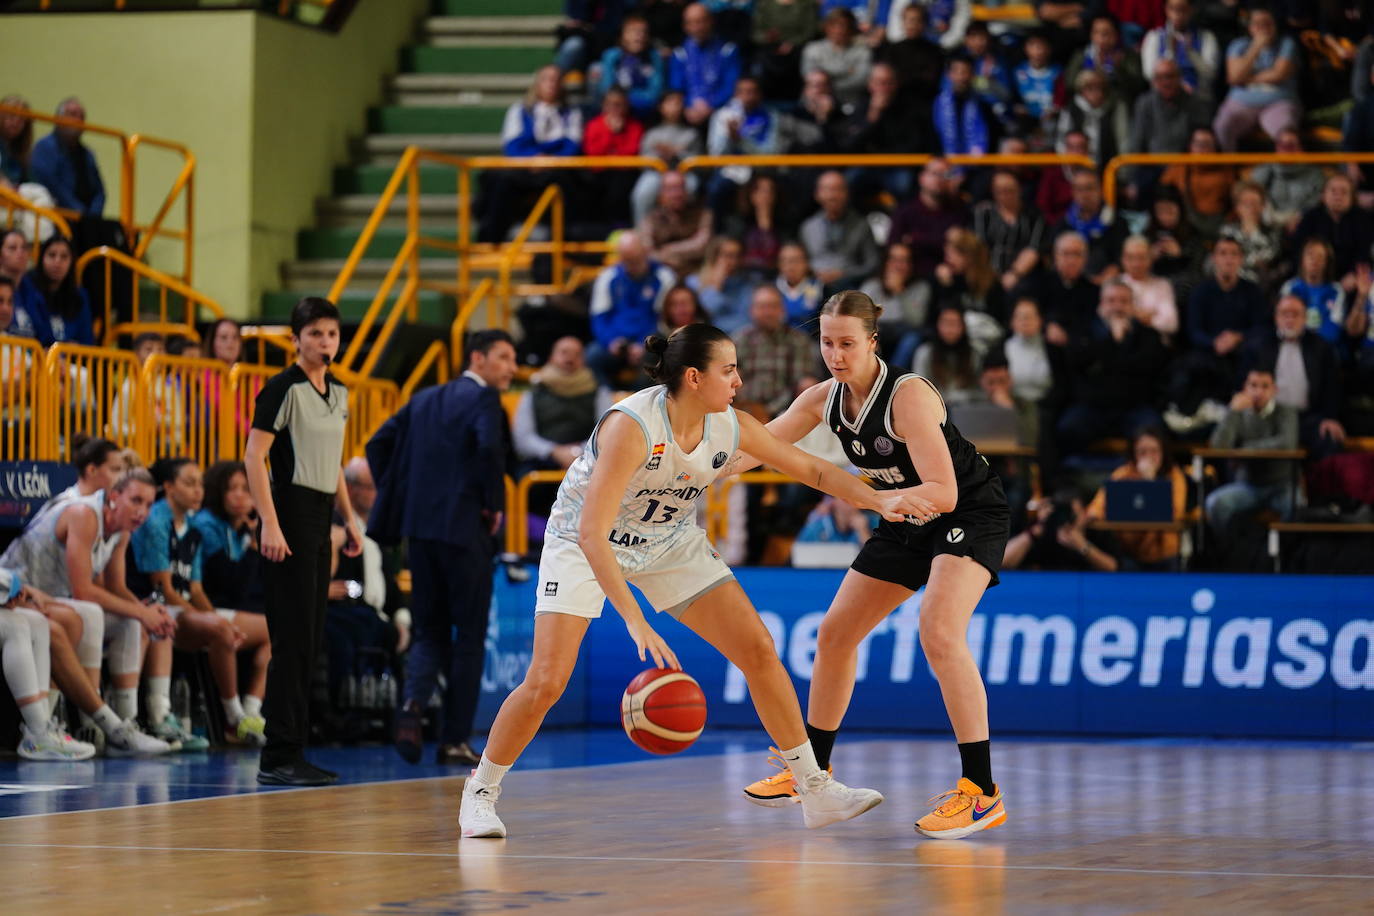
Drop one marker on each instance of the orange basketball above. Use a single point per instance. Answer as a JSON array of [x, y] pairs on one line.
[[663, 710]]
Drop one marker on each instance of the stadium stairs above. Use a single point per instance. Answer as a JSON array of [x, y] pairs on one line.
[[473, 59]]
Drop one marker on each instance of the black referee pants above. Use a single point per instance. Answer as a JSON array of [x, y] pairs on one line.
[[297, 590]]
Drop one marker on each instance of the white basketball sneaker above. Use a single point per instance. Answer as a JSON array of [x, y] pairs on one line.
[[53, 744], [129, 741], [825, 800], [477, 813]]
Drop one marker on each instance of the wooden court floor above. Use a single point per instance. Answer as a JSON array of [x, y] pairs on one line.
[[1093, 828]]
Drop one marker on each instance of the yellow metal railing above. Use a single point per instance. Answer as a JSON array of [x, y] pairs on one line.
[[274, 336], [1117, 163], [371, 401], [182, 186], [36, 214], [187, 405], [94, 390], [436, 358], [25, 421], [519, 521], [245, 381], [192, 300]]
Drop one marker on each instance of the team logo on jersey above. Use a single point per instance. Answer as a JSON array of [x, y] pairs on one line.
[[955, 535], [658, 449], [883, 444], [719, 460], [653, 463], [550, 589], [858, 448], [682, 477]]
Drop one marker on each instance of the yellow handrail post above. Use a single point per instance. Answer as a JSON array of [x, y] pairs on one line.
[[370, 317], [460, 321], [557, 244], [413, 229], [464, 227]]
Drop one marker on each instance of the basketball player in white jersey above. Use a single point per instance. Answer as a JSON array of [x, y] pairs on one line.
[[626, 511]]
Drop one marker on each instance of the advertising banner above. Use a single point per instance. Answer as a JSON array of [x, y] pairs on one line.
[[1063, 653], [27, 485]]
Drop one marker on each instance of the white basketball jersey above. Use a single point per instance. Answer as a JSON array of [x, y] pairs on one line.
[[661, 498]]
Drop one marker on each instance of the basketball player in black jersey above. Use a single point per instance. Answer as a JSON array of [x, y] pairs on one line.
[[895, 430]]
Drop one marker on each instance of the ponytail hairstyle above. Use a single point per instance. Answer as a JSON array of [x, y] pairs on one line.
[[667, 359], [90, 451], [853, 304]]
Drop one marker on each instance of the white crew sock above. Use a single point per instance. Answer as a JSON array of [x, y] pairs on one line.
[[35, 716], [106, 720], [252, 706], [489, 774], [801, 760], [233, 710], [53, 695], [158, 698], [126, 702]]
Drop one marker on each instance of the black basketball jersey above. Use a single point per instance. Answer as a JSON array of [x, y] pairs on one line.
[[881, 455]]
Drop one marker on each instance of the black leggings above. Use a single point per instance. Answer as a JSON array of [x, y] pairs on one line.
[[296, 595]]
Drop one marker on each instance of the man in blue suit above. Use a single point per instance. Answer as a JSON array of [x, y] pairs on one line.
[[439, 464], [63, 165]]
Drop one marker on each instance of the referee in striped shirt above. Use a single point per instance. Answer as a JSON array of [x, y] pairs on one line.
[[298, 427]]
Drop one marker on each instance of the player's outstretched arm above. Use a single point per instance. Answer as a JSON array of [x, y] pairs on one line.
[[790, 426], [917, 413], [620, 448], [821, 475]]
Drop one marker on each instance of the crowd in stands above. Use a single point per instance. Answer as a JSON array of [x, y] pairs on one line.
[[57, 172], [1152, 314], [1214, 304]]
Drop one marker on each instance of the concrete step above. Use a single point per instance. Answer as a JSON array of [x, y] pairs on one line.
[[386, 149], [452, 82], [522, 58], [435, 308], [474, 26], [372, 179], [368, 276]]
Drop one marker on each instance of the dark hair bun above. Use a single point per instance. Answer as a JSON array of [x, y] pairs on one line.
[[655, 345]]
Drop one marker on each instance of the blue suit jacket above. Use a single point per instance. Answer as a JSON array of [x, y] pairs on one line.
[[438, 463]]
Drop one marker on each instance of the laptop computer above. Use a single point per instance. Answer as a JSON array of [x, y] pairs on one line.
[[1139, 501], [987, 426]]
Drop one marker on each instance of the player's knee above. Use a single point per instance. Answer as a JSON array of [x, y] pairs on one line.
[[756, 655], [833, 639], [544, 685], [941, 644]]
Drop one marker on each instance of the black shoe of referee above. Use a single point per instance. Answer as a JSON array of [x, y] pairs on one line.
[[410, 737], [297, 774]]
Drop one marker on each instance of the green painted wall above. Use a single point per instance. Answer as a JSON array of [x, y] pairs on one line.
[[267, 107]]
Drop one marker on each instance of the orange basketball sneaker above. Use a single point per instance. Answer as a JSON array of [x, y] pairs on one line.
[[778, 790], [961, 811]]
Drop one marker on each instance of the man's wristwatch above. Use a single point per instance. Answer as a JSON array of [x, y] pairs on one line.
[[354, 588]]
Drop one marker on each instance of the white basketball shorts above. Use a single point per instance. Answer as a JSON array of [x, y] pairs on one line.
[[686, 569]]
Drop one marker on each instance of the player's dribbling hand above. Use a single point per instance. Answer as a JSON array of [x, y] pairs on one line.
[[903, 505], [647, 641]]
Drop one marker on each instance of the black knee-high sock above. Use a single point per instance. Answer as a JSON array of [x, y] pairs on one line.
[[822, 742], [976, 757]]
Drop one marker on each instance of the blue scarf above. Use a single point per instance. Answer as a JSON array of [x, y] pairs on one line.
[[955, 121]]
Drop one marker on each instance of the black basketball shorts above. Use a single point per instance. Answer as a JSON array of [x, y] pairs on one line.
[[902, 553]]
